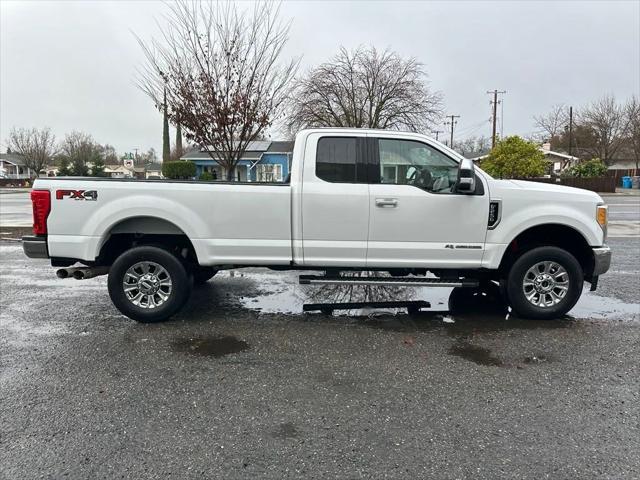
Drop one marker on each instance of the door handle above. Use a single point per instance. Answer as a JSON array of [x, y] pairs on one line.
[[386, 202]]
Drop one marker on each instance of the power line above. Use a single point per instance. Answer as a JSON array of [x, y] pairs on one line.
[[570, 130], [452, 123], [472, 129], [495, 102], [437, 132]]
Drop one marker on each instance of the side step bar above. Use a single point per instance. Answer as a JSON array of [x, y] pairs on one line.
[[397, 281], [412, 307]]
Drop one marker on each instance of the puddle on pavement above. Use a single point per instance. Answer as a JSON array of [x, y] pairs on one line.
[[536, 359], [286, 431], [475, 354], [210, 346], [280, 293]]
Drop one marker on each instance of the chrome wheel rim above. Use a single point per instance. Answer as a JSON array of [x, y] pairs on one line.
[[545, 284], [147, 285]]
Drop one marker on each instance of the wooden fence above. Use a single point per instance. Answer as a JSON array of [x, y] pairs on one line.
[[9, 182]]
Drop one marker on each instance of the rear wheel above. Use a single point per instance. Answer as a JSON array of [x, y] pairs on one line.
[[544, 283], [148, 284]]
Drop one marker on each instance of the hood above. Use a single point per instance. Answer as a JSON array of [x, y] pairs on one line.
[[544, 190]]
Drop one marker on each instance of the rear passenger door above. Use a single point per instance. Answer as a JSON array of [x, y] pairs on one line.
[[335, 201]]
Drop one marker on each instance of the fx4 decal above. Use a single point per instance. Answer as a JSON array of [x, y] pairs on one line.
[[91, 195]]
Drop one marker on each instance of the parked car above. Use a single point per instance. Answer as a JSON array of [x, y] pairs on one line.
[[356, 200]]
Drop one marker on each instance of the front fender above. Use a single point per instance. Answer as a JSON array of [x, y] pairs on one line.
[[516, 222]]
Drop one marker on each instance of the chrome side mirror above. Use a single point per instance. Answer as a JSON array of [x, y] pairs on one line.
[[466, 177]]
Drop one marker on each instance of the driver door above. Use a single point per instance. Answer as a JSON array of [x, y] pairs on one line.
[[416, 218]]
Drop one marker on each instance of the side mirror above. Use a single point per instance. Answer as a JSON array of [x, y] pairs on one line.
[[466, 177]]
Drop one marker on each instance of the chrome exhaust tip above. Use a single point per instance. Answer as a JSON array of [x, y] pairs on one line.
[[62, 273], [85, 273]]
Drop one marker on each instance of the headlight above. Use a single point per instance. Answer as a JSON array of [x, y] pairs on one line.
[[602, 216]]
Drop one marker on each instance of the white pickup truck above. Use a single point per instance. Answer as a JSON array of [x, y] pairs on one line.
[[380, 201]]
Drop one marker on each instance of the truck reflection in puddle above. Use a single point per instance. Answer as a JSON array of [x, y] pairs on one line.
[[267, 293]]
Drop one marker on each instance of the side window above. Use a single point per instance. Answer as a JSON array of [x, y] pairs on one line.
[[336, 159], [407, 162]]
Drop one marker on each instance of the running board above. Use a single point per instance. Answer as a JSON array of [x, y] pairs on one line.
[[412, 306], [388, 281]]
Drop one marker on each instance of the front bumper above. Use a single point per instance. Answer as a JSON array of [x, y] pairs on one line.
[[35, 247], [601, 260]]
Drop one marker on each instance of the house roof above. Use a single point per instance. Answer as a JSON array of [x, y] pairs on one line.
[[280, 147], [253, 152], [199, 155], [550, 153], [13, 158], [622, 165], [154, 167], [116, 168], [256, 145], [547, 153]]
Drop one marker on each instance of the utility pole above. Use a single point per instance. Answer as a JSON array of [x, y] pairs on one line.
[[437, 132], [570, 129], [495, 102], [452, 123]]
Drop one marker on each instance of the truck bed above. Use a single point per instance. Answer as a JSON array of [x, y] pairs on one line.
[[224, 222]]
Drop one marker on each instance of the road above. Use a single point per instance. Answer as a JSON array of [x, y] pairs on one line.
[[241, 385], [15, 208], [623, 207]]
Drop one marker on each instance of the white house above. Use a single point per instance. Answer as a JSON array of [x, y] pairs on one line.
[[558, 162], [12, 166]]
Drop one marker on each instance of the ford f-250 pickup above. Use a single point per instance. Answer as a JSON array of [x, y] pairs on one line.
[[356, 200]]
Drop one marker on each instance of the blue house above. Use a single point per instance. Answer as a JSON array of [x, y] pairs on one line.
[[263, 161]]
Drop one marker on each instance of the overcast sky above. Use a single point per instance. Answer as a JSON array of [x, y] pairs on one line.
[[70, 65]]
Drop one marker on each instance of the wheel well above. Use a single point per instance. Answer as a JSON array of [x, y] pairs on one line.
[[137, 231], [552, 235]]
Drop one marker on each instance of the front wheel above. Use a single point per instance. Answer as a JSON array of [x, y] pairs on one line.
[[544, 283], [148, 284]]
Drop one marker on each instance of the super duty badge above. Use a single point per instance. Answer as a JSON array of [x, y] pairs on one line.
[[90, 195]]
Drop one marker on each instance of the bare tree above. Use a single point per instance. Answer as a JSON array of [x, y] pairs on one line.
[[221, 71], [365, 89], [37, 147], [553, 123], [473, 146], [632, 112], [608, 123], [81, 152]]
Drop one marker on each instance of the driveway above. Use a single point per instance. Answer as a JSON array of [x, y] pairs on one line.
[[242, 385]]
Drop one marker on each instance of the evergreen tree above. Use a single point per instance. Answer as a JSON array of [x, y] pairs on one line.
[[179, 140], [97, 170], [166, 146], [63, 170]]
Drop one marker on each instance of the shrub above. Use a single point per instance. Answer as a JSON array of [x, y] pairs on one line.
[[587, 169], [206, 177], [179, 169], [514, 157]]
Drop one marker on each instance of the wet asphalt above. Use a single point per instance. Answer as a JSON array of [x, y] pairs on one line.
[[242, 385]]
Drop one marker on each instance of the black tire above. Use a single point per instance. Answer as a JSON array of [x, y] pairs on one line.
[[485, 299], [202, 275], [177, 295], [516, 276]]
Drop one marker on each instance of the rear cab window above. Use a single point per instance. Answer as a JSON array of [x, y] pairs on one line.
[[340, 160]]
